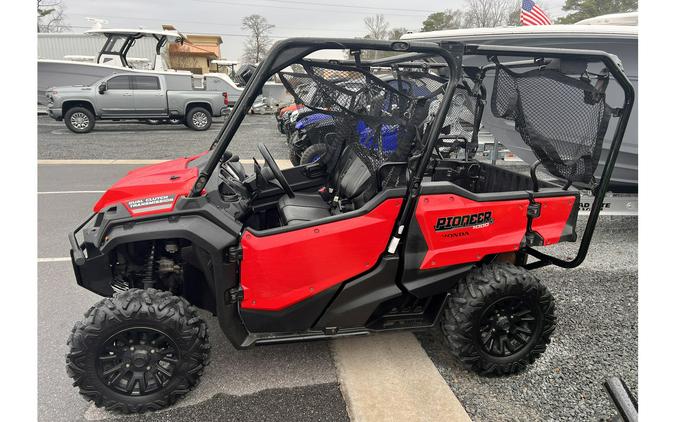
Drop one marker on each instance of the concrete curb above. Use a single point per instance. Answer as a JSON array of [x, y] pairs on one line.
[[389, 377]]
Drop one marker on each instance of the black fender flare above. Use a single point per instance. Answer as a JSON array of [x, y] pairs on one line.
[[199, 231], [221, 274]]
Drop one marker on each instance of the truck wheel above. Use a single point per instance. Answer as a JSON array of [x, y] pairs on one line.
[[499, 319], [137, 351], [80, 120], [313, 154], [198, 118]]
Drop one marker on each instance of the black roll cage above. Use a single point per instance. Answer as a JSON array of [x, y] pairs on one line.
[[613, 65], [288, 51]]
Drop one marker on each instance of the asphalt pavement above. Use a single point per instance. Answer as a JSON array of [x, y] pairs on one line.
[[596, 305], [113, 140]]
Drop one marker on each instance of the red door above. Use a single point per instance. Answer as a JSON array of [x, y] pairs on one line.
[[282, 269]]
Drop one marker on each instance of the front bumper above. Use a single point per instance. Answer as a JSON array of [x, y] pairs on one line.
[[55, 113], [93, 270]]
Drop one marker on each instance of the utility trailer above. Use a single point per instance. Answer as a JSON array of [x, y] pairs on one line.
[[367, 239]]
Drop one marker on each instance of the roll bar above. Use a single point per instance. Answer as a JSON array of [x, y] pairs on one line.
[[290, 50], [613, 65]]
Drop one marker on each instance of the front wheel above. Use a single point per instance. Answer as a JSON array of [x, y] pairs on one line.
[[198, 118], [80, 120], [313, 154], [137, 351], [499, 319]]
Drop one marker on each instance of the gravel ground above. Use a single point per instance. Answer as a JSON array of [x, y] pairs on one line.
[[596, 338]]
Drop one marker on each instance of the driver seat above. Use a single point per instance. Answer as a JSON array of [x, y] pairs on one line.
[[352, 181]]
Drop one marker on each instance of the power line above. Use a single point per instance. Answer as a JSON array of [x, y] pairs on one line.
[[350, 6], [209, 22], [303, 9]]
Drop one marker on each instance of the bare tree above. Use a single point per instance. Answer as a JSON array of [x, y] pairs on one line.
[[378, 28], [487, 13], [50, 16], [258, 42]]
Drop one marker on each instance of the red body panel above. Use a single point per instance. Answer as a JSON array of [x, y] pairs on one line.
[[166, 181], [282, 269], [450, 246], [553, 217], [289, 109]]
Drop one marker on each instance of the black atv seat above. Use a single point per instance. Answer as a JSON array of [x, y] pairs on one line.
[[352, 181]]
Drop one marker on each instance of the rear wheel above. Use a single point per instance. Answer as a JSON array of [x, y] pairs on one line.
[[499, 319], [313, 154], [198, 118], [139, 350], [80, 120]]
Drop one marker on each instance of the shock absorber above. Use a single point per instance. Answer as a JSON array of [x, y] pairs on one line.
[[148, 276]]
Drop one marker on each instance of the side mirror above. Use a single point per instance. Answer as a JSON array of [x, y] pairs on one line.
[[102, 88]]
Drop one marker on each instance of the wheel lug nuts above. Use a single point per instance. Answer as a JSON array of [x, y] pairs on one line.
[[132, 349], [147, 368], [152, 350], [127, 365]]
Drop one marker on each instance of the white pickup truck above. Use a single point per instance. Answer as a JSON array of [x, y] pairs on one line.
[[123, 96]]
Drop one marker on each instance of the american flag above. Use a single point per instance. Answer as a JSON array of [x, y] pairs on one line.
[[531, 14]]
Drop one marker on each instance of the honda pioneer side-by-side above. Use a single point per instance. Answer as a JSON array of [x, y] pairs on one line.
[[384, 232]]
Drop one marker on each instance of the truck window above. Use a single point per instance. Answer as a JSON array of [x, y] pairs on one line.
[[119, 82], [146, 82]]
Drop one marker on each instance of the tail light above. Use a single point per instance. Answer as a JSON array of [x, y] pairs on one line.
[[226, 101]]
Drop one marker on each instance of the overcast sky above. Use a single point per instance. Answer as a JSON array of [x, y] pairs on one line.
[[327, 18]]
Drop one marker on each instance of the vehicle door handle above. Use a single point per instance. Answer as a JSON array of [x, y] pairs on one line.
[[127, 95]]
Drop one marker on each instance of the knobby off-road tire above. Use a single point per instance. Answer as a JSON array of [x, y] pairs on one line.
[[313, 153], [148, 332], [80, 120], [499, 319], [293, 155]]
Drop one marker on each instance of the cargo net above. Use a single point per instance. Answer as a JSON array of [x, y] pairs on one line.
[[563, 119], [459, 122], [380, 115]]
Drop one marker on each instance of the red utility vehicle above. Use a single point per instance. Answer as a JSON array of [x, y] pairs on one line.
[[370, 238]]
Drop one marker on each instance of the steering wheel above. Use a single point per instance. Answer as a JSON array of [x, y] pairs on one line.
[[274, 168]]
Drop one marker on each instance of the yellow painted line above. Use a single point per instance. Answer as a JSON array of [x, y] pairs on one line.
[[96, 162], [60, 259], [282, 163], [69, 192], [389, 377]]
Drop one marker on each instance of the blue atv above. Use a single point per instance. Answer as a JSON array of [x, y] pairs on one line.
[[309, 145], [306, 143]]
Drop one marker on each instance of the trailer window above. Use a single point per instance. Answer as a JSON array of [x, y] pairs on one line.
[[146, 82], [119, 82]]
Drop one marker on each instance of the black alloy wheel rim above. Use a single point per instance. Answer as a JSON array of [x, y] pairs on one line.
[[508, 325], [137, 361]]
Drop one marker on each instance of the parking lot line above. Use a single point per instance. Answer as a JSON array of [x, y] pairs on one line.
[[59, 259], [390, 377]]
